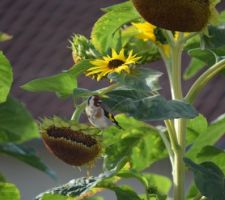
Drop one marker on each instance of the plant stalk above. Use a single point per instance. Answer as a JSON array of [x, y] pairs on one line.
[[179, 124]]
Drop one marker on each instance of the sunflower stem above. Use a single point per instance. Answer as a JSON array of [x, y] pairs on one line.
[[176, 128]]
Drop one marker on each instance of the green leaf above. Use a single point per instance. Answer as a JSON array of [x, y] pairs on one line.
[[63, 84], [118, 7], [16, 123], [94, 198], [105, 28], [144, 49], [215, 37], [54, 197], [192, 192], [140, 142], [141, 79], [205, 55], [125, 192], [213, 154], [80, 186], [26, 155], [209, 179], [6, 77], [209, 137], [152, 182], [152, 108], [82, 92], [193, 68], [195, 127], [4, 37], [9, 191]]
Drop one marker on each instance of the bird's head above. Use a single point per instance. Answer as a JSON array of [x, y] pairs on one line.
[[94, 101]]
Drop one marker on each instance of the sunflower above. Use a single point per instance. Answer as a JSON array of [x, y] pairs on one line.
[[147, 31], [117, 62]]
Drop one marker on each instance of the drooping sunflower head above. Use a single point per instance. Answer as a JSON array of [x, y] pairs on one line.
[[117, 62], [70, 142], [177, 15]]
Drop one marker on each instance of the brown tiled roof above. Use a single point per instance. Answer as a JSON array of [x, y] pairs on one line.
[[41, 29]]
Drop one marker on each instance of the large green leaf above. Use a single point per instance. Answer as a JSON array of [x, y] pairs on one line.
[[195, 127], [152, 108], [213, 154], [105, 29], [26, 155], [80, 186], [209, 179], [209, 137], [152, 182], [140, 142], [62, 84], [125, 192], [6, 77], [9, 191], [141, 79], [16, 123]]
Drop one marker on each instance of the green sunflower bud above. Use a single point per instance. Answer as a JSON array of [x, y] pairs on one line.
[[177, 15], [75, 144], [82, 49]]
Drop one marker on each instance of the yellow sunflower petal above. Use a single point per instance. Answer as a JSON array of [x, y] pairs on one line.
[[114, 54], [121, 55]]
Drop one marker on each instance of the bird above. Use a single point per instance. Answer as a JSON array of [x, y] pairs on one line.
[[97, 115]]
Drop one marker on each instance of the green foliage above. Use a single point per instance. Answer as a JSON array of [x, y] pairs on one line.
[[9, 191], [16, 123], [193, 68], [142, 79], [209, 179], [209, 137], [94, 198], [125, 192], [54, 197], [205, 55], [145, 49], [148, 107], [26, 155], [152, 182], [140, 142], [62, 84], [213, 154], [195, 127], [6, 75], [104, 34], [80, 186]]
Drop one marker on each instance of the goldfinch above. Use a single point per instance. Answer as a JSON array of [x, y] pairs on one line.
[[97, 115]]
